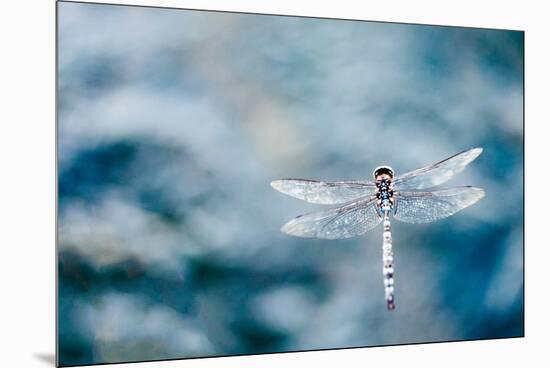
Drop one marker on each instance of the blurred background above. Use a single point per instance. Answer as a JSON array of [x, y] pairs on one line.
[[172, 123]]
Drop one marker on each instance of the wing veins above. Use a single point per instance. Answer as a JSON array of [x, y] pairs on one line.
[[318, 224], [321, 192], [438, 173]]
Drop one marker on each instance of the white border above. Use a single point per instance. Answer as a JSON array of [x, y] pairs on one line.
[[28, 173]]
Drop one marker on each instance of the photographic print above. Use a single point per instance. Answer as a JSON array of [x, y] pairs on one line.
[[236, 184]]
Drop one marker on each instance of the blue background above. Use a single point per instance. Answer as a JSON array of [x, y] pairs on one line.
[[172, 123]]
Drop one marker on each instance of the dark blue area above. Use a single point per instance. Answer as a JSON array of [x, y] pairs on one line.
[[95, 170], [500, 54]]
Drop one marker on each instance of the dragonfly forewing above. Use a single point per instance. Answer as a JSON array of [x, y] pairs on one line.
[[321, 192], [438, 173], [342, 222], [424, 207]]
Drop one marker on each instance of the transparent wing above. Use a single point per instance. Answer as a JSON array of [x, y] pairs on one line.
[[438, 173], [321, 192], [338, 223], [422, 207]]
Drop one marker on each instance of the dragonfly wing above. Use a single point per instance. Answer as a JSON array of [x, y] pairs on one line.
[[338, 223], [321, 192], [438, 173], [423, 207]]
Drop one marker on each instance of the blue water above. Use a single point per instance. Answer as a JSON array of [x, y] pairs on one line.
[[172, 123]]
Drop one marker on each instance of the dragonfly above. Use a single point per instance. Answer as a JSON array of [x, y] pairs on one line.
[[364, 204]]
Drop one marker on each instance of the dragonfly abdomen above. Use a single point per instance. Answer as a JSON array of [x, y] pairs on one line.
[[387, 258]]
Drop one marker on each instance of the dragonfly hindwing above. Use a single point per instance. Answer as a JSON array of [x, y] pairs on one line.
[[423, 207], [343, 222]]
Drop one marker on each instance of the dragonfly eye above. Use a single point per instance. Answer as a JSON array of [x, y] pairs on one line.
[[380, 170]]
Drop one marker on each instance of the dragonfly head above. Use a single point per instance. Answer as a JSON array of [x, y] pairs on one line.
[[383, 172]]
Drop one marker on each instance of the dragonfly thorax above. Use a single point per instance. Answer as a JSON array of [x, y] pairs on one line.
[[384, 192]]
